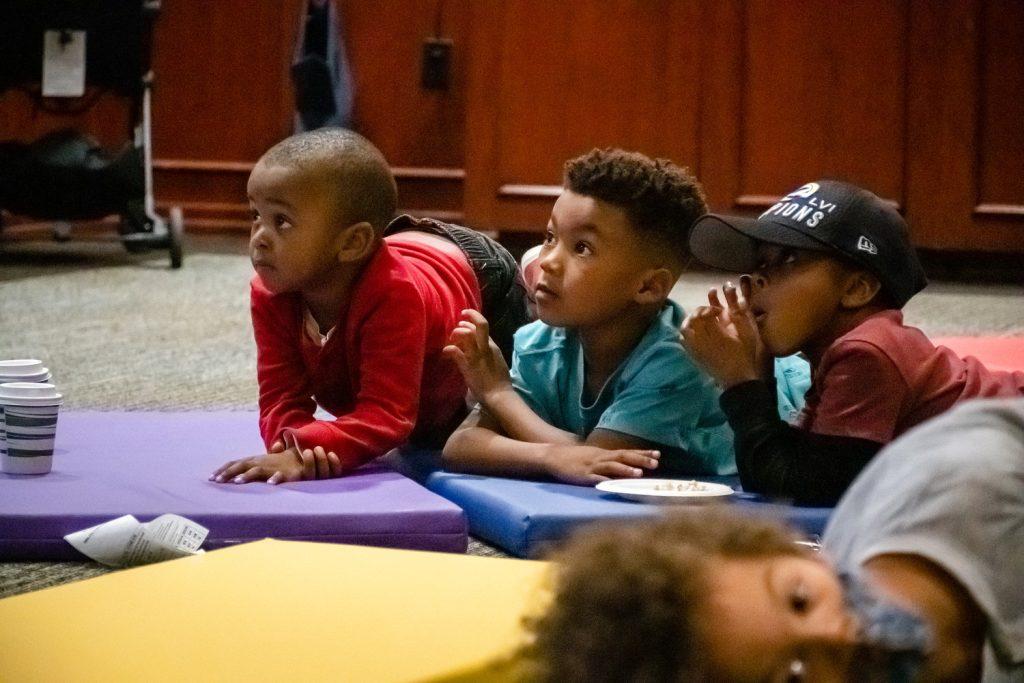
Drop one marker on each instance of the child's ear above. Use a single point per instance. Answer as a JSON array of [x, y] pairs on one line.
[[655, 286], [861, 287], [356, 241]]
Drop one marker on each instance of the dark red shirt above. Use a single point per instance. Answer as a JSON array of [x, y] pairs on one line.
[[380, 372], [882, 378]]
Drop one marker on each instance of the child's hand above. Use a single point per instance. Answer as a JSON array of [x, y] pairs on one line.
[[742, 319], [281, 465], [724, 338], [588, 465], [478, 357]]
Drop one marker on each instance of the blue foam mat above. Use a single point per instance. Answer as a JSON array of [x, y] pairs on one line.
[[527, 517]]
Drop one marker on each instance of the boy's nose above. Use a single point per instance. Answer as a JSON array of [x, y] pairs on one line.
[[758, 280], [548, 260], [258, 238]]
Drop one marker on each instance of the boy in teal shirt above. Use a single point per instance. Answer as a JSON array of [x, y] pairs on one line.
[[600, 386]]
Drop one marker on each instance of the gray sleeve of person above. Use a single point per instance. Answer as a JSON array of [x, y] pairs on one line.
[[951, 491]]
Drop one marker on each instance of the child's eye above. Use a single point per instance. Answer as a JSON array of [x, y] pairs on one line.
[[583, 249], [281, 221], [254, 215], [799, 600], [549, 237]]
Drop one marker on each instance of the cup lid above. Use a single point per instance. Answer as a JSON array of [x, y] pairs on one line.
[[39, 393], [21, 366], [42, 376]]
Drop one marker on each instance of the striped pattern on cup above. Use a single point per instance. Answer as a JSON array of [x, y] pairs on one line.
[[26, 438]]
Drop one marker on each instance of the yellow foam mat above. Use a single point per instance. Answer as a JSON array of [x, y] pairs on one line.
[[273, 611]]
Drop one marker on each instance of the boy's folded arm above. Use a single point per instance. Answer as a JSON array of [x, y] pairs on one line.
[[391, 356], [284, 398], [613, 440], [284, 401], [519, 421], [480, 445], [367, 432], [779, 460]]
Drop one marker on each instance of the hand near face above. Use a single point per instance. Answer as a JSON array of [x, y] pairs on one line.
[[281, 465], [737, 309], [589, 465], [478, 357], [723, 338]]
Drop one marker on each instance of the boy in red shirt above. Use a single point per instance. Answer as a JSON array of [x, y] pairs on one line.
[[351, 315], [832, 265]]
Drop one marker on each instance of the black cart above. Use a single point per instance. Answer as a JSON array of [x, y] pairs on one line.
[[67, 176]]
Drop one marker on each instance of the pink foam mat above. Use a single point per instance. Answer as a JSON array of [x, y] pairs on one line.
[[108, 464], [996, 353]]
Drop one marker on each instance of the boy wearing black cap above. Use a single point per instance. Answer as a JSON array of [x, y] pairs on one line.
[[830, 265]]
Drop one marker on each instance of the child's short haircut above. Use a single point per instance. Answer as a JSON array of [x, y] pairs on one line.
[[364, 188], [661, 199]]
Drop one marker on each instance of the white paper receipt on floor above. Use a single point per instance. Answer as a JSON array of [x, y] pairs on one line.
[[125, 542]]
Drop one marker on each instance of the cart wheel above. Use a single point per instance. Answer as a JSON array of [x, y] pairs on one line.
[[175, 236]]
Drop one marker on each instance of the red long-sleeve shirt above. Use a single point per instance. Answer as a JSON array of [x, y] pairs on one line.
[[380, 372]]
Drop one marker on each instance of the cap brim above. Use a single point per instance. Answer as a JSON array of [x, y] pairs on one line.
[[730, 242], [721, 242]]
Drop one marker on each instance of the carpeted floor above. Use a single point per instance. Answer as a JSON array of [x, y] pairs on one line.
[[128, 333]]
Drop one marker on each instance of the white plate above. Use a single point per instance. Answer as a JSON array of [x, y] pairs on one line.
[[667, 491]]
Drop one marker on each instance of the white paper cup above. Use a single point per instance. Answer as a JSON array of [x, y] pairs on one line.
[[20, 367], [28, 424], [43, 376], [23, 370]]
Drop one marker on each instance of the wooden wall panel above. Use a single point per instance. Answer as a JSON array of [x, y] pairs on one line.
[[246, 103], [23, 120], [420, 131], [412, 126], [823, 96], [224, 92], [919, 101], [950, 166], [720, 101], [223, 95], [1001, 119], [570, 76]]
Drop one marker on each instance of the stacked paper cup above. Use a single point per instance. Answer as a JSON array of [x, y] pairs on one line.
[[23, 370], [28, 417]]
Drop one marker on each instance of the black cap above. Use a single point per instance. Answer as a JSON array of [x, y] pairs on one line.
[[828, 216]]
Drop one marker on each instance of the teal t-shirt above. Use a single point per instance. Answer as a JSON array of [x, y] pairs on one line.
[[658, 394], [792, 380]]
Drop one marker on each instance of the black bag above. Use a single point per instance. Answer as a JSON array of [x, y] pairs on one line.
[[66, 175]]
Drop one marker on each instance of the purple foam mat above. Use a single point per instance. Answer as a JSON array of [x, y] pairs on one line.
[[108, 464]]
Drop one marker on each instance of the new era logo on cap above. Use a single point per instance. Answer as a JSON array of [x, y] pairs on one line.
[[864, 244]]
